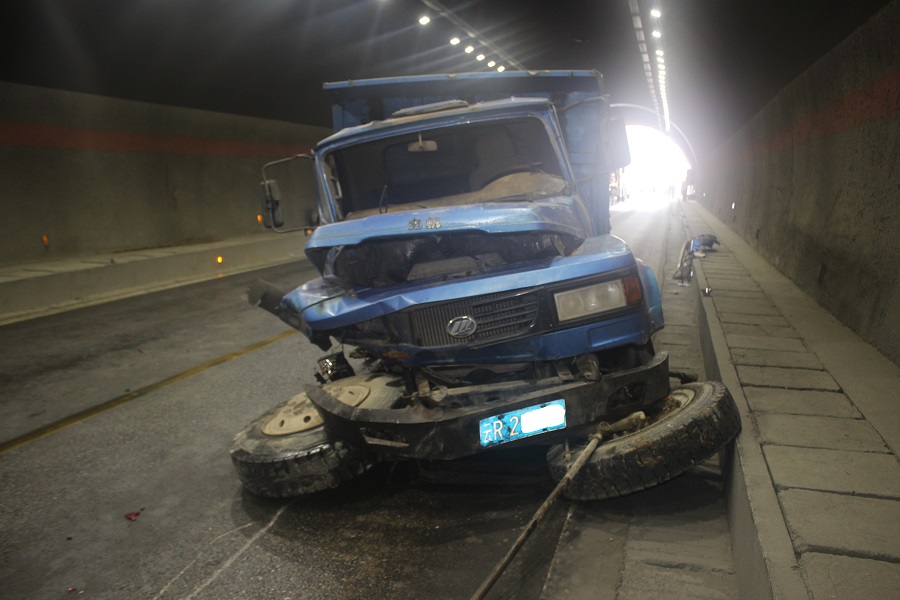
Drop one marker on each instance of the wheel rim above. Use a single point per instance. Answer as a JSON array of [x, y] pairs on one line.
[[674, 403], [295, 416]]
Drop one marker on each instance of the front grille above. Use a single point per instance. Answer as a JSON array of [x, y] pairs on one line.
[[499, 316]]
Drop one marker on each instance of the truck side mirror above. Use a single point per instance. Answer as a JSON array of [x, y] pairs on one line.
[[270, 208], [271, 212], [619, 152]]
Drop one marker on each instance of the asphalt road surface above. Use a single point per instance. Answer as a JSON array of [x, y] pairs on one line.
[[115, 479]]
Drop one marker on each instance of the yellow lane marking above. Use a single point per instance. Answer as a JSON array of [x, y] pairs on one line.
[[109, 404]]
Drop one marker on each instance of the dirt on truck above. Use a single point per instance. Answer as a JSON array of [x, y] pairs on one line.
[[471, 296]]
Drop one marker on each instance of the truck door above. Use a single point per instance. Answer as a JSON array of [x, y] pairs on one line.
[[596, 146]]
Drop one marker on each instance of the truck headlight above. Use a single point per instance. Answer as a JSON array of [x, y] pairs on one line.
[[597, 298]]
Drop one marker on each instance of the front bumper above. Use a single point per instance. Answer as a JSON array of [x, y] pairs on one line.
[[452, 429]]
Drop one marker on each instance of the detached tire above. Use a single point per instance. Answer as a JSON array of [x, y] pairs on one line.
[[281, 466], [702, 420]]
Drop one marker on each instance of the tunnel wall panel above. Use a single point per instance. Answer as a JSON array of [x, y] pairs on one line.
[[813, 181], [102, 175]]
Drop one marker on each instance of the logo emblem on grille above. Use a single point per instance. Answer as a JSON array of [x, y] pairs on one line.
[[461, 327]]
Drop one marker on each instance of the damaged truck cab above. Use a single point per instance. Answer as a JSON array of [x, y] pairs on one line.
[[465, 258]]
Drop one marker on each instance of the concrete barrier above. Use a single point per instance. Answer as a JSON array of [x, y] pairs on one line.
[[84, 174], [812, 181]]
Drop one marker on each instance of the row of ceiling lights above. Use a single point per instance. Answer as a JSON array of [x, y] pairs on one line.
[[658, 90], [469, 49], [661, 99], [661, 66]]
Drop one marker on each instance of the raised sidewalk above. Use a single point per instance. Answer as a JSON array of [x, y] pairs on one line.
[[814, 498], [43, 288]]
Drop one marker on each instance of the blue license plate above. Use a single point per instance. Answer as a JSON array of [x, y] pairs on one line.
[[523, 423]]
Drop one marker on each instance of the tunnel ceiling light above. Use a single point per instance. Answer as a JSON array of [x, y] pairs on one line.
[[492, 64], [501, 68], [439, 10], [655, 13], [454, 41], [424, 21], [660, 53], [660, 60], [470, 49], [656, 34], [480, 57]]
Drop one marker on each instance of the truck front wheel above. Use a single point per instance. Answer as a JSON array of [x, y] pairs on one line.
[[693, 423], [288, 452]]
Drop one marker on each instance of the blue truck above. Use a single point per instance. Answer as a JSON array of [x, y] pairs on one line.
[[471, 296]]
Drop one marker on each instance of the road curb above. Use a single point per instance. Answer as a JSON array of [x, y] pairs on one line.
[[765, 563]]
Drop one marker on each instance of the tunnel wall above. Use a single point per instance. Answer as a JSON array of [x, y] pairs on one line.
[[813, 181], [97, 175]]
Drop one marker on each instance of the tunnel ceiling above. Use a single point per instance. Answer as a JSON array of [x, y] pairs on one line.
[[268, 58]]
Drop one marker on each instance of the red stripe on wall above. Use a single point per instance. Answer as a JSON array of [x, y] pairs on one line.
[[878, 101], [41, 135]]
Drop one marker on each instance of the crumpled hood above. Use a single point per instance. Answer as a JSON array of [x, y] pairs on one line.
[[561, 215]]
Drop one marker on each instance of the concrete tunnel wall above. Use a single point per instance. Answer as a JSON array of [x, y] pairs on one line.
[[812, 182], [101, 175]]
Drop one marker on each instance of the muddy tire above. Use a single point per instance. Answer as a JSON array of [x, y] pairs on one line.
[[702, 420], [282, 466]]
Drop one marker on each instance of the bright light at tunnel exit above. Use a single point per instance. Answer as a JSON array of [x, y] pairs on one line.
[[658, 166]]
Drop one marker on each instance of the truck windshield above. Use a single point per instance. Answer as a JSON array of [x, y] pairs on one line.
[[438, 163]]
